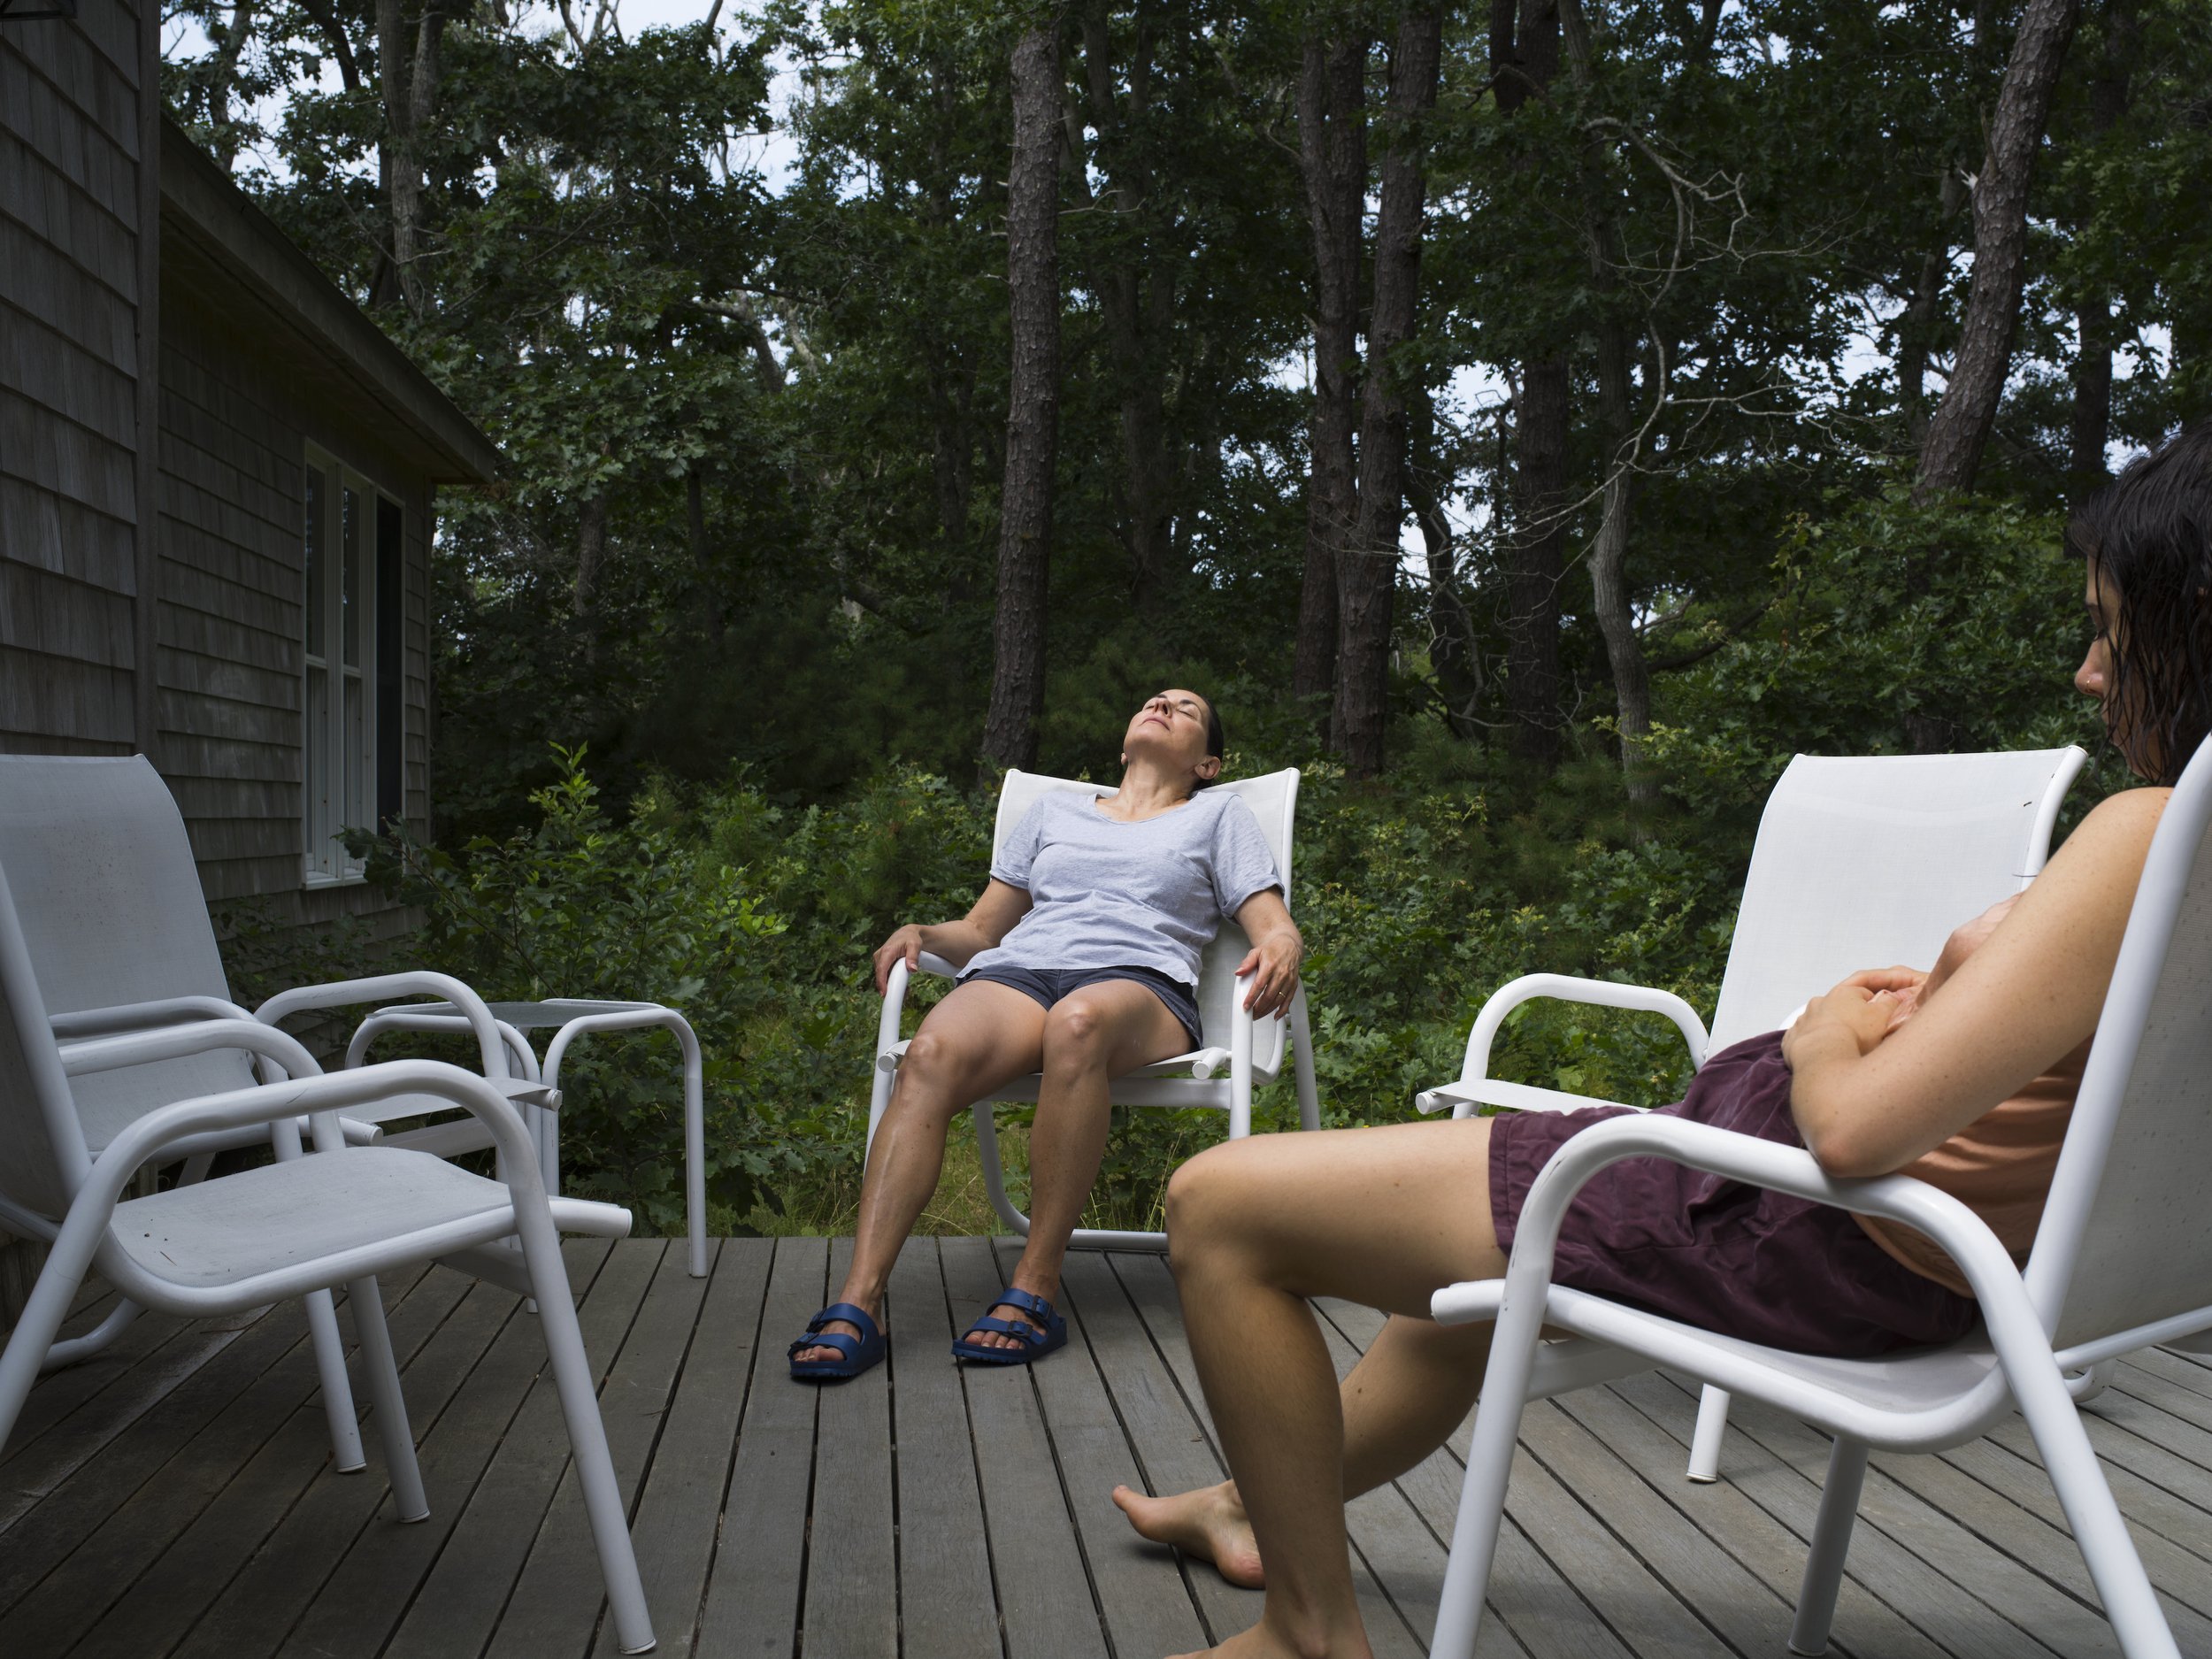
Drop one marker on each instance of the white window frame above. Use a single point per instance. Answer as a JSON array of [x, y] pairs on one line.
[[337, 765]]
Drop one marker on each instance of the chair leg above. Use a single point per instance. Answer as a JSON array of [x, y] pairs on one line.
[[695, 1149], [1832, 1542], [1712, 1423], [2099, 1531], [994, 1172], [1505, 1384], [38, 1324], [346, 1456], [119, 1319], [586, 1433], [1301, 1062], [381, 1365]]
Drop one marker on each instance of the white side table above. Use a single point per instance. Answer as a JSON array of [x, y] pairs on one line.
[[569, 1018]]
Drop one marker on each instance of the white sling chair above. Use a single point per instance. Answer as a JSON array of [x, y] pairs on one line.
[[291, 1228], [1250, 1051], [1861, 862], [2122, 1261], [111, 913]]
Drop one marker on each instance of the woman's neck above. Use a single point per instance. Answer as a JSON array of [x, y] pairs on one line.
[[1147, 791]]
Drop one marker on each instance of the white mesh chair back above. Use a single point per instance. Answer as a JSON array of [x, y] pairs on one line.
[[108, 898], [42, 1156], [2126, 1237], [1866, 861], [1274, 802]]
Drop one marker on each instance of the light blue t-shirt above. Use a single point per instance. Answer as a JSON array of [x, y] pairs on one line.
[[1104, 894]]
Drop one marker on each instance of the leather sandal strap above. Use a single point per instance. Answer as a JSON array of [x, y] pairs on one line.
[[1027, 1300]]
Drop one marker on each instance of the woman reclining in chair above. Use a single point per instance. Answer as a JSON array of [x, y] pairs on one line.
[[1080, 961], [1964, 1077]]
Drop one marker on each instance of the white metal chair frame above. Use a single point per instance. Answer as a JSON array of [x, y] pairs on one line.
[[575, 1018], [1251, 1057], [1753, 996], [227, 1277], [2121, 1262]]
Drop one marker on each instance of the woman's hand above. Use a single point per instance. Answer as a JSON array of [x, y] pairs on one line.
[[1858, 1011], [908, 941], [1276, 949]]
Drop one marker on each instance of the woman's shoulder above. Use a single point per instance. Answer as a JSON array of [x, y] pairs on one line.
[[2127, 818]]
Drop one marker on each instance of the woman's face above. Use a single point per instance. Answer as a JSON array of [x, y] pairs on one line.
[[2098, 676], [1171, 727]]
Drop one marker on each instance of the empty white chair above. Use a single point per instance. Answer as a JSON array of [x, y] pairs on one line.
[[1861, 862], [1251, 1052], [296, 1226], [2123, 1260]]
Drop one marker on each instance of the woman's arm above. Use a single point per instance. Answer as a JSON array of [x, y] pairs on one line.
[[1869, 1102], [1275, 949], [991, 919]]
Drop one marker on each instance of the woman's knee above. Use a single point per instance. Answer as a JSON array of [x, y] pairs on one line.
[[1077, 1035], [930, 1073], [1205, 1197]]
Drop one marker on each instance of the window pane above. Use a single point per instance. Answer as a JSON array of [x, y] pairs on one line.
[[318, 735], [353, 593], [353, 811], [314, 557]]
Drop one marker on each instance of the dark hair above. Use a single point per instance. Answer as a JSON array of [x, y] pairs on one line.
[[1217, 746], [2150, 533]]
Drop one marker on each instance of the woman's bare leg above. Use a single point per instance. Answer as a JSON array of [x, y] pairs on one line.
[[1091, 1036], [1410, 1390], [981, 1037], [1381, 1217]]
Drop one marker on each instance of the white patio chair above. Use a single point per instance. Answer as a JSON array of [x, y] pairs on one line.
[[296, 1226], [1251, 1051], [2122, 1261], [1861, 862], [111, 912]]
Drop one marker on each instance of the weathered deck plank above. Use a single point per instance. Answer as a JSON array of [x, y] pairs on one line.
[[947, 1609], [173, 1498]]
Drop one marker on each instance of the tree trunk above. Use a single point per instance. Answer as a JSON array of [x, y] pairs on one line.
[[2091, 433], [1609, 556], [409, 90], [591, 553], [1956, 435], [1525, 60], [1033, 413], [1452, 652], [1608, 574], [1534, 550], [1915, 328], [1367, 569], [1332, 150]]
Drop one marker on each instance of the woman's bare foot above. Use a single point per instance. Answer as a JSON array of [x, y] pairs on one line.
[[1261, 1642], [843, 1327], [1209, 1524]]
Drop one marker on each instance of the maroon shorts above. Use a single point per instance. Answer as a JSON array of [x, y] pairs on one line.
[[1740, 1260]]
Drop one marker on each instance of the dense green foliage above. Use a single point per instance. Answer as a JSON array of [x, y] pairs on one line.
[[1419, 896], [741, 556]]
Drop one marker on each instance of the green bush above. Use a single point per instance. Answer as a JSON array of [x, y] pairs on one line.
[[1894, 627]]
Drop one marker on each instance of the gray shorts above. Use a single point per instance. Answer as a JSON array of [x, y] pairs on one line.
[[1048, 985]]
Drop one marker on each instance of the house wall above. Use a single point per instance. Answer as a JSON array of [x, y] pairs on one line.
[[233, 431], [72, 269]]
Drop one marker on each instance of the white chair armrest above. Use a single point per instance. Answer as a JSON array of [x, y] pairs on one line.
[[383, 987], [168, 1011], [173, 1042], [1641, 999], [939, 967], [1522, 1097]]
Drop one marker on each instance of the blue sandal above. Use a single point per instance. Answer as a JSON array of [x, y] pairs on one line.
[[860, 1352], [1049, 1331]]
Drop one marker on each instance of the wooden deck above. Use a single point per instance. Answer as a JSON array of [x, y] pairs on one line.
[[174, 1496]]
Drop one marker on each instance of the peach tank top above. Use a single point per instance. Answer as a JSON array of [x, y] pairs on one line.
[[2000, 1166]]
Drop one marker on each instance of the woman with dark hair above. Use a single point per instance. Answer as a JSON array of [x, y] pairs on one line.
[[1964, 1076], [1080, 961]]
